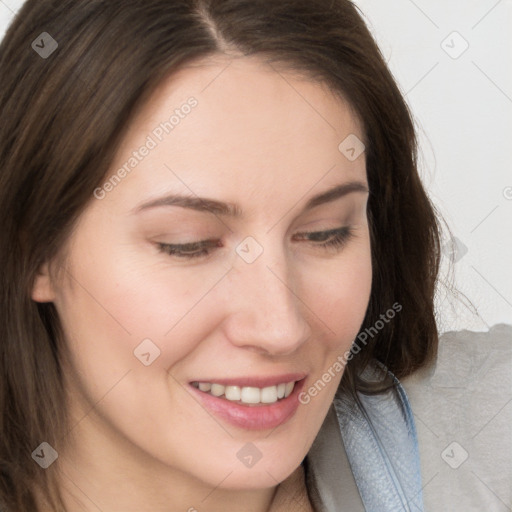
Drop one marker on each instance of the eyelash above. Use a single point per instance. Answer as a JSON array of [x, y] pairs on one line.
[[340, 236]]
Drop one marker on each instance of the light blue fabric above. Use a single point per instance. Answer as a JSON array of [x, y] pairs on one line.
[[381, 444]]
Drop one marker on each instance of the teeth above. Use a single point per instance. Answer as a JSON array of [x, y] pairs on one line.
[[217, 390], [269, 395], [251, 395], [232, 393], [248, 394]]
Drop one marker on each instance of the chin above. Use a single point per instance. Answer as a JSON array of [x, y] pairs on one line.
[[253, 479]]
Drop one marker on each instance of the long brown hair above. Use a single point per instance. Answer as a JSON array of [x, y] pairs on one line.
[[63, 118]]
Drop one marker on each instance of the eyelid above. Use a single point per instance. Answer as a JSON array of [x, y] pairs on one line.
[[205, 241], [324, 232], [196, 245], [336, 239]]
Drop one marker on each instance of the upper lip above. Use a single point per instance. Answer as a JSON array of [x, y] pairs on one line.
[[257, 382]]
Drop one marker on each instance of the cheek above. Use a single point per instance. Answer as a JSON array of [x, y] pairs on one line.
[[113, 313], [341, 293], [112, 302], [342, 297]]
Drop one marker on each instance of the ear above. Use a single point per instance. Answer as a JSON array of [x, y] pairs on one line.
[[42, 291]]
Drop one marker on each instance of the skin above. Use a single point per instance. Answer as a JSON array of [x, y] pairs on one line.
[[267, 141]]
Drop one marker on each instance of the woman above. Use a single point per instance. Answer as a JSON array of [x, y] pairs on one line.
[[218, 260]]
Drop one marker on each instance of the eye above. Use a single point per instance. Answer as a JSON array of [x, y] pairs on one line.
[[191, 250], [331, 239]]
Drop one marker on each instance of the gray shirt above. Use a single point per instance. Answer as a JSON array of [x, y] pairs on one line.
[[439, 440]]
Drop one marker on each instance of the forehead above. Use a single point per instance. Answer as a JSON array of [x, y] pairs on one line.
[[253, 126], [247, 89]]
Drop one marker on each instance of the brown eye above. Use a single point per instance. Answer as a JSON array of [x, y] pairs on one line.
[[333, 238], [193, 250]]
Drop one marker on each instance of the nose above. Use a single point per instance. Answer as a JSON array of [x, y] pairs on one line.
[[267, 311]]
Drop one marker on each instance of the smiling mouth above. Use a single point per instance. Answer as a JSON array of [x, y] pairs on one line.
[[247, 395]]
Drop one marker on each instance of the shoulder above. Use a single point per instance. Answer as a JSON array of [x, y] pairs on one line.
[[467, 360], [462, 407]]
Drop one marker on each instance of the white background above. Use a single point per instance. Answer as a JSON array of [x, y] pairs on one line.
[[462, 105]]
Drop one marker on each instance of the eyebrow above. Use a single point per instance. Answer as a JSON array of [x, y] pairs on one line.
[[204, 204]]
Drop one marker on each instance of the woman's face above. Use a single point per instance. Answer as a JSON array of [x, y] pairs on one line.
[[261, 303]]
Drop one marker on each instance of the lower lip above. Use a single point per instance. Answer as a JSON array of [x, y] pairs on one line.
[[255, 417]]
